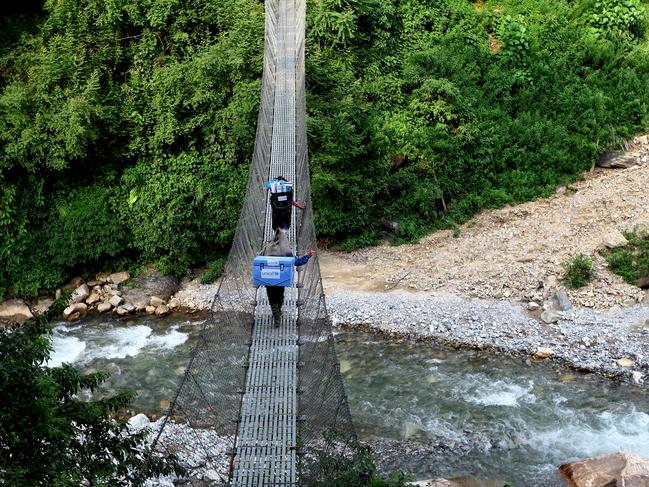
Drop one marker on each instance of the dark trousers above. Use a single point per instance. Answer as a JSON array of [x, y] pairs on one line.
[[281, 217], [276, 300]]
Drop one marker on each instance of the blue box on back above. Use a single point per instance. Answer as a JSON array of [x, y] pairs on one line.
[[273, 271]]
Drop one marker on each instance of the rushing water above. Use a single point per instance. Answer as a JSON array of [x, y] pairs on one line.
[[429, 411]]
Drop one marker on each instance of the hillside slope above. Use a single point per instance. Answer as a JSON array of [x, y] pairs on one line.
[[511, 252]]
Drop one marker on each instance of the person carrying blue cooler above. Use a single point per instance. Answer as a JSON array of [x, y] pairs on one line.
[[280, 247], [281, 201]]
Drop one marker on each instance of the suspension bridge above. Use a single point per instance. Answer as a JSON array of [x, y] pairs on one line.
[[276, 393]]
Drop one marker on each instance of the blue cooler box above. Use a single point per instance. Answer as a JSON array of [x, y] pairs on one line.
[[273, 271]]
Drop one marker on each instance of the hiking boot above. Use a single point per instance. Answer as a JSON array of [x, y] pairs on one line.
[[277, 315]]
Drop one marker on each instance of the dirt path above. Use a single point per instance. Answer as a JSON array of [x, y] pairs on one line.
[[512, 252]]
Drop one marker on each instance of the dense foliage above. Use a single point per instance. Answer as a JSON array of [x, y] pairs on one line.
[[48, 437], [126, 128]]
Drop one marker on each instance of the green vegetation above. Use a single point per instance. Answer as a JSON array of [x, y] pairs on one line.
[[126, 128], [579, 271], [52, 438], [631, 261], [214, 271]]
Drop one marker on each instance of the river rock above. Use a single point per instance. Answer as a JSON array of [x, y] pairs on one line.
[[174, 303], [79, 294], [614, 239], [73, 283], [560, 301], [625, 362], [137, 422], [128, 307], [549, 316], [643, 282], [533, 306], [74, 316], [81, 308], [96, 282], [162, 310], [150, 284], [119, 277], [122, 311], [618, 469], [149, 310], [42, 306], [103, 307], [15, 311], [115, 300], [543, 352], [637, 377], [156, 301], [93, 298]]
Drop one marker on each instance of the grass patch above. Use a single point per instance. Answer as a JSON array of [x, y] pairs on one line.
[[214, 271], [579, 271], [631, 261]]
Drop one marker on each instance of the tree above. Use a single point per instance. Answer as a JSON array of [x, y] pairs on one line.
[[48, 436]]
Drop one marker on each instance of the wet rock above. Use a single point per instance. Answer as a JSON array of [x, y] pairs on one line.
[[637, 377], [103, 307], [128, 307], [96, 282], [619, 469], [149, 310], [15, 311], [79, 294], [543, 352], [614, 239], [162, 310], [74, 316], [174, 303], [116, 300], [93, 298], [119, 277]]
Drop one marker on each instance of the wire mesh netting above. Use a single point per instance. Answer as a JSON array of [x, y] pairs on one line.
[[218, 400]]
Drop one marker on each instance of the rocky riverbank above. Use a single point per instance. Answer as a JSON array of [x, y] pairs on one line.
[[614, 343]]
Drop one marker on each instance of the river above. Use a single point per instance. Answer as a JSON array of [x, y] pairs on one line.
[[425, 409]]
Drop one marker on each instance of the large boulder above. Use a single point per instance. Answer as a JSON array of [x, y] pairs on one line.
[[150, 288], [560, 301], [616, 470], [79, 294], [119, 277], [15, 311], [614, 239], [42, 306]]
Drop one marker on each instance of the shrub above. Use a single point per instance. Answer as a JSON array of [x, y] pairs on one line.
[[52, 438], [631, 261], [214, 270], [578, 271]]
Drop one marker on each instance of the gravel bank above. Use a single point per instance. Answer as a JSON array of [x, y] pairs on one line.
[[584, 339]]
